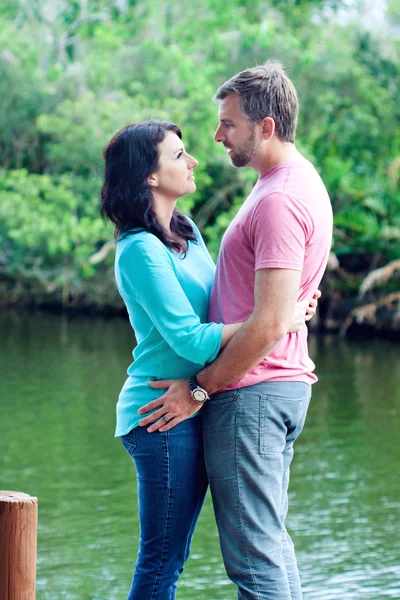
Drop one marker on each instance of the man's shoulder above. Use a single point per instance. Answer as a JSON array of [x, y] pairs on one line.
[[298, 183], [272, 197]]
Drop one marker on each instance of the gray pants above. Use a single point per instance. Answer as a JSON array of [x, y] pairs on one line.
[[248, 443]]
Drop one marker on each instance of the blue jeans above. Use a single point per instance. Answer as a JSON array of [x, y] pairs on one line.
[[248, 443], [172, 484]]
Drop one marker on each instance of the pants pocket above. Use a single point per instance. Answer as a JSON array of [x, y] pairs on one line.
[[129, 441], [219, 431], [281, 421]]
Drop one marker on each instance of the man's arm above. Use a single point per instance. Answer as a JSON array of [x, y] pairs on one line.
[[275, 296]]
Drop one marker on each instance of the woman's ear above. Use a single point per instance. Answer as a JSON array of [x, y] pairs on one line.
[[152, 180]]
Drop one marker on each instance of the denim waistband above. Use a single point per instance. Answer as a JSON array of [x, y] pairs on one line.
[[264, 387]]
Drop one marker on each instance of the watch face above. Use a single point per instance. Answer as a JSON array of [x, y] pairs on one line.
[[199, 395]]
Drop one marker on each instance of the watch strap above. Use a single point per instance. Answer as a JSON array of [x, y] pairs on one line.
[[193, 383]]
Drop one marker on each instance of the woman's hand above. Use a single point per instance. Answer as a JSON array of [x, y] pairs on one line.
[[304, 311], [173, 407]]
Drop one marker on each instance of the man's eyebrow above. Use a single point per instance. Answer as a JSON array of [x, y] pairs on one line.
[[226, 121]]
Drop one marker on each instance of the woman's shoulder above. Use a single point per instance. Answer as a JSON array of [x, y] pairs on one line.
[[140, 245], [191, 222], [140, 239], [194, 227]]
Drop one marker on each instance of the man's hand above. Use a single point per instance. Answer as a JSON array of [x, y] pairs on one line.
[[304, 311], [175, 405], [313, 305]]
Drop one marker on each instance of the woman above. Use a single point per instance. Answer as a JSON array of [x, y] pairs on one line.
[[164, 274]]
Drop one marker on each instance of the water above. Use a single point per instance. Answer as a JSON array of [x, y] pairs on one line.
[[59, 381]]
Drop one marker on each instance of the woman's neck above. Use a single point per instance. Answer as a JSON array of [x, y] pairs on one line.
[[164, 211]]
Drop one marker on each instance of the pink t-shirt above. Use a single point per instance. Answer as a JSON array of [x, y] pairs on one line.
[[285, 223]]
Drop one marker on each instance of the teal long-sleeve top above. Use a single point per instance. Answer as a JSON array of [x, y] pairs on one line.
[[166, 295]]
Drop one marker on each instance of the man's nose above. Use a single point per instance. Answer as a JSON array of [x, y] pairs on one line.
[[218, 137]]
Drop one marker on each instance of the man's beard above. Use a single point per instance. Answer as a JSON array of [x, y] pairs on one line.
[[242, 156]]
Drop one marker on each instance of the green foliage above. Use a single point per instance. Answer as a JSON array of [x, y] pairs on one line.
[[72, 73], [372, 225], [55, 232]]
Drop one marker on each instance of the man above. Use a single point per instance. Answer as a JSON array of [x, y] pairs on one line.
[[277, 244]]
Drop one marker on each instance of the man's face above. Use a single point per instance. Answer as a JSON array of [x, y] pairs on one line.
[[234, 131]]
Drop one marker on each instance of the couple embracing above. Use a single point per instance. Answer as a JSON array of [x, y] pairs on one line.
[[221, 380]]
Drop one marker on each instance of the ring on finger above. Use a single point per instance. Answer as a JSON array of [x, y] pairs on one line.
[[164, 418]]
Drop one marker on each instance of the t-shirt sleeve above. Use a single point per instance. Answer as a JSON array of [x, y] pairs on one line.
[[279, 229], [145, 273]]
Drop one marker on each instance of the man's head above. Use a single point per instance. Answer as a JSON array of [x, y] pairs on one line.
[[256, 106]]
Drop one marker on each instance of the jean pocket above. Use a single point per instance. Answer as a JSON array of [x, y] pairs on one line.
[[281, 421], [129, 441], [222, 398]]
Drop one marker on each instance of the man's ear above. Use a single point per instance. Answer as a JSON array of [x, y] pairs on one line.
[[152, 180], [267, 127]]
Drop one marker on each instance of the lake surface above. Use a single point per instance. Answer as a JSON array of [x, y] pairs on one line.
[[60, 377]]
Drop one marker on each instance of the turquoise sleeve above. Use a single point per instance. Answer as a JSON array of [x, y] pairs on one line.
[[146, 275]]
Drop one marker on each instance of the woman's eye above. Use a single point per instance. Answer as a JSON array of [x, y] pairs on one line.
[[180, 154]]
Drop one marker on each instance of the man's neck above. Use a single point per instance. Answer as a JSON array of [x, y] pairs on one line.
[[279, 153]]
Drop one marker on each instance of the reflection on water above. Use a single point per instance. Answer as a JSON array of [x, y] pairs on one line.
[[59, 381]]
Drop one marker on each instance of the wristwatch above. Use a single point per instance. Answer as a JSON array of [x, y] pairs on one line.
[[198, 393]]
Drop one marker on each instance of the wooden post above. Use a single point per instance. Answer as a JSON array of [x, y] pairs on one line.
[[18, 542]]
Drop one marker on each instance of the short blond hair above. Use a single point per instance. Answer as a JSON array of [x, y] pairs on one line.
[[265, 91]]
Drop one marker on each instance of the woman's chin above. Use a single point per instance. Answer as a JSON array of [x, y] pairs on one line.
[[189, 190]]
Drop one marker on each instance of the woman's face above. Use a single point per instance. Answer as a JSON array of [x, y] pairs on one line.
[[174, 177]]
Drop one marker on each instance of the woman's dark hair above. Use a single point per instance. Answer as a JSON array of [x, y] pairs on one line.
[[126, 198]]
